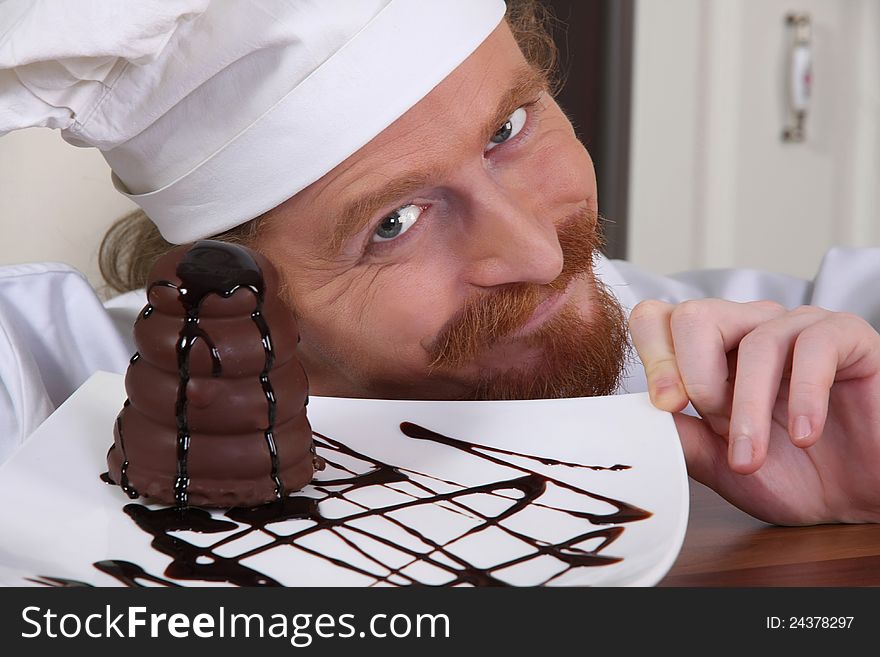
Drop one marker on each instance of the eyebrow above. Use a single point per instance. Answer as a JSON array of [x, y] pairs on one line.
[[528, 82]]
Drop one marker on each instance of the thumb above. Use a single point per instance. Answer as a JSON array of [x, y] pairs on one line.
[[704, 450]]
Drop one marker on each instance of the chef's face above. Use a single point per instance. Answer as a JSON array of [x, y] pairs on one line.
[[451, 257]]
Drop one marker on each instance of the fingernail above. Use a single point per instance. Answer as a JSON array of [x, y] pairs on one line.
[[801, 428], [742, 452], [668, 390]]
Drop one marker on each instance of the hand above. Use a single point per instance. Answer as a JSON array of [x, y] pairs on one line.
[[789, 401]]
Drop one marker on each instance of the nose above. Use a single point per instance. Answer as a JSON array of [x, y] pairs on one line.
[[506, 241]]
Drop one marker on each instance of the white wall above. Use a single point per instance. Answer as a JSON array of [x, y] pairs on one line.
[[712, 183], [56, 201]]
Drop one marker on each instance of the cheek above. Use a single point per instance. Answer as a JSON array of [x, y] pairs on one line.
[[381, 317]]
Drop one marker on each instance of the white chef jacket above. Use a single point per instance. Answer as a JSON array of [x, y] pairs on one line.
[[55, 332]]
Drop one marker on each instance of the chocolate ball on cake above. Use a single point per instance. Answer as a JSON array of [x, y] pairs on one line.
[[216, 409]]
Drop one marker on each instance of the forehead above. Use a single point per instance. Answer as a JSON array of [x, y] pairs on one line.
[[447, 121]]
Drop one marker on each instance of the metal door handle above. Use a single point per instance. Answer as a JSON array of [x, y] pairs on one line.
[[800, 76]]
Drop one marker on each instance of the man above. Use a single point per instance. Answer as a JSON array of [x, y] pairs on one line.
[[450, 254]]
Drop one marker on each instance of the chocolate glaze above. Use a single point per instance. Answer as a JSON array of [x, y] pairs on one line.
[[523, 490], [216, 408]]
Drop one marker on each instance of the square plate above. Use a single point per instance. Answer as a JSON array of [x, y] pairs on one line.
[[590, 491]]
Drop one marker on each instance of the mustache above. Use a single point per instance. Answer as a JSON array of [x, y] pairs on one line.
[[490, 317]]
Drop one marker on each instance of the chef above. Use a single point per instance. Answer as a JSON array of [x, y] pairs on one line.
[[434, 220]]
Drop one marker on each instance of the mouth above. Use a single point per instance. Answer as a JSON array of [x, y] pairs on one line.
[[544, 312]]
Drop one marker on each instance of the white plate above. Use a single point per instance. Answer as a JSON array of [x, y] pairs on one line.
[[454, 521]]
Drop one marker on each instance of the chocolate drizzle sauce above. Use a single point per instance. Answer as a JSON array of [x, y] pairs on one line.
[[211, 267], [57, 582], [369, 544], [129, 573], [126, 486]]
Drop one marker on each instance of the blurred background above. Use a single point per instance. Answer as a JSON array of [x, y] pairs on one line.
[[683, 105]]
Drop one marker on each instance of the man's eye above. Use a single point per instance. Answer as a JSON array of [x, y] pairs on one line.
[[397, 223], [510, 129]]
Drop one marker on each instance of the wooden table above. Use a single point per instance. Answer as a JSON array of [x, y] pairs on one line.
[[726, 547]]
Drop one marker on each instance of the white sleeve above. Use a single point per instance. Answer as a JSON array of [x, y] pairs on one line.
[[848, 280], [731, 284], [54, 334]]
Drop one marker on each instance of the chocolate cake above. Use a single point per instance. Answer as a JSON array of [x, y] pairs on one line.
[[216, 408]]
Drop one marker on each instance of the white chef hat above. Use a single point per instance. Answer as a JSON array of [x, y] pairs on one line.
[[211, 112]]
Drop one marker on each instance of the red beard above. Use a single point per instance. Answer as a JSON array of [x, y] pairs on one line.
[[578, 357]]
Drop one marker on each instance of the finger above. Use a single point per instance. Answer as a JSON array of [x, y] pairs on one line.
[[704, 450], [761, 360], [706, 456], [703, 332], [836, 347], [649, 328]]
